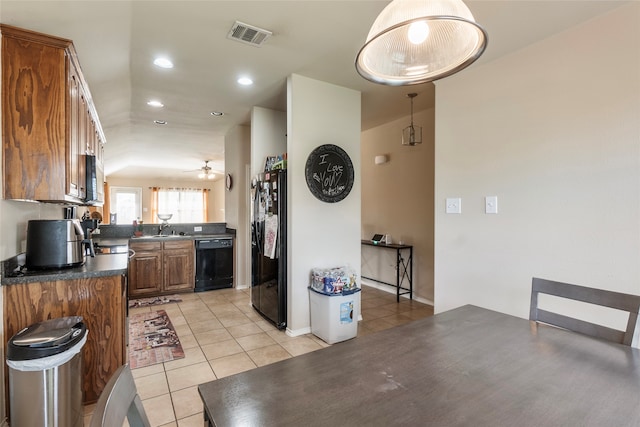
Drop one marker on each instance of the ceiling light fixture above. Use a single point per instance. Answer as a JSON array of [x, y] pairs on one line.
[[412, 135], [154, 103], [206, 172], [245, 81], [414, 42], [163, 62]]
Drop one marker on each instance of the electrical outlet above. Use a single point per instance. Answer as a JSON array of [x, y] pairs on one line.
[[454, 205], [197, 228]]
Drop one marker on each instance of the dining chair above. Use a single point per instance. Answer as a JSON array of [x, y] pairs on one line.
[[625, 302], [120, 400]]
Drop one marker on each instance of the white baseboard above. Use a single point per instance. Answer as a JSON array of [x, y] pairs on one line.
[[392, 290], [298, 332]]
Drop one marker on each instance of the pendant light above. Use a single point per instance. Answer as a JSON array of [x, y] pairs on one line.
[[418, 41], [412, 135]]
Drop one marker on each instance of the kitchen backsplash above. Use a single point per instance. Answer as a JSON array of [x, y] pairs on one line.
[[126, 230]]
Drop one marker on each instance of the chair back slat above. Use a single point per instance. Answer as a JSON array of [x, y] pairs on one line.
[[617, 300], [580, 326]]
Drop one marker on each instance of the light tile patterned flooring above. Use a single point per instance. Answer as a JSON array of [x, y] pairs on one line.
[[223, 335]]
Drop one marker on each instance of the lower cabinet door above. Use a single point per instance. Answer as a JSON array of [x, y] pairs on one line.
[[178, 269], [145, 274]]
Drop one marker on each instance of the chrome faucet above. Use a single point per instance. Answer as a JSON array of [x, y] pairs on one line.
[[162, 227]]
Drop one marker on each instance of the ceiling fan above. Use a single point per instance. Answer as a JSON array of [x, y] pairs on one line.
[[205, 172]]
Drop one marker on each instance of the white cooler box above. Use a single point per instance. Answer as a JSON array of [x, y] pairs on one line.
[[334, 317]]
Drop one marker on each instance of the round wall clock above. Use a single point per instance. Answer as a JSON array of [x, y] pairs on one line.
[[228, 182], [329, 173]]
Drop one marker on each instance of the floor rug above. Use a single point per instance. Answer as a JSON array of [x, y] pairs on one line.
[[145, 302], [152, 339]]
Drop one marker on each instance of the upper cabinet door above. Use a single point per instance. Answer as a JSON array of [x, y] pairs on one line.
[[49, 123], [34, 119]]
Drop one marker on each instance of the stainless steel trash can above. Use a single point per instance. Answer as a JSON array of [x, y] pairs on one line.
[[45, 373]]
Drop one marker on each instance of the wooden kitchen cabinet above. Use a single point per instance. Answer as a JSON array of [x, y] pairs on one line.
[[145, 269], [76, 175], [178, 264], [161, 267], [49, 122], [101, 302]]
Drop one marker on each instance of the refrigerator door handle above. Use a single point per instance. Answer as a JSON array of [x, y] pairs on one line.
[[259, 239]]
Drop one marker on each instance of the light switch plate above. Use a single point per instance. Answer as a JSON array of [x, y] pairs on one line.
[[454, 205], [491, 204]]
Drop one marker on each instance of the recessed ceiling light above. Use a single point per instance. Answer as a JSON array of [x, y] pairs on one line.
[[163, 63], [245, 81], [154, 103], [160, 122], [217, 113]]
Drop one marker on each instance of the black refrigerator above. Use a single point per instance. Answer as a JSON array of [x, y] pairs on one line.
[[269, 246]]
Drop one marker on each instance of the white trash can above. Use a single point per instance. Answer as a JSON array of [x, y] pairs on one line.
[[334, 317], [45, 373]]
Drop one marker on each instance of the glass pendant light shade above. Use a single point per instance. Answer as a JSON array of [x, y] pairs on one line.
[[206, 175], [412, 135], [418, 41]]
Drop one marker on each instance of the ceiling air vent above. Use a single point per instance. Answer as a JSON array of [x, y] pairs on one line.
[[248, 34]]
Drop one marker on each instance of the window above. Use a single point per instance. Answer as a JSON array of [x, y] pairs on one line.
[[185, 204], [125, 204]]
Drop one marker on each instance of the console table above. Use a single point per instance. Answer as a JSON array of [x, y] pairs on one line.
[[404, 267]]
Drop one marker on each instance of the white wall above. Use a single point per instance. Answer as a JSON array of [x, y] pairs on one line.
[[553, 131], [237, 150], [268, 136], [320, 234]]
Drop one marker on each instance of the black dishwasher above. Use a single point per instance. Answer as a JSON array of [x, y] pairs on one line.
[[214, 263]]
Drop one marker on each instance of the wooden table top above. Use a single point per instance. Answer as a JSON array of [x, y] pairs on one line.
[[465, 367]]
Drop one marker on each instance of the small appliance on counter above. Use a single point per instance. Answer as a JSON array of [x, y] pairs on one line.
[[54, 243], [89, 225]]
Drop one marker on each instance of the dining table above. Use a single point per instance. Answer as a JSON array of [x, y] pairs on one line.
[[468, 366]]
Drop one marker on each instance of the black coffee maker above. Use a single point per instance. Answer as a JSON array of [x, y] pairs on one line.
[[89, 225]]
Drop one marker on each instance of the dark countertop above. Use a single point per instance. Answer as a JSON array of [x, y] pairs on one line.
[[181, 237], [124, 241], [110, 241], [102, 265], [98, 266]]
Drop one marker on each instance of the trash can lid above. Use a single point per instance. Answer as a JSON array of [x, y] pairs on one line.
[[46, 338]]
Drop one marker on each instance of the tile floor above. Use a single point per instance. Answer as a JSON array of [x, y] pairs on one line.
[[223, 335]]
